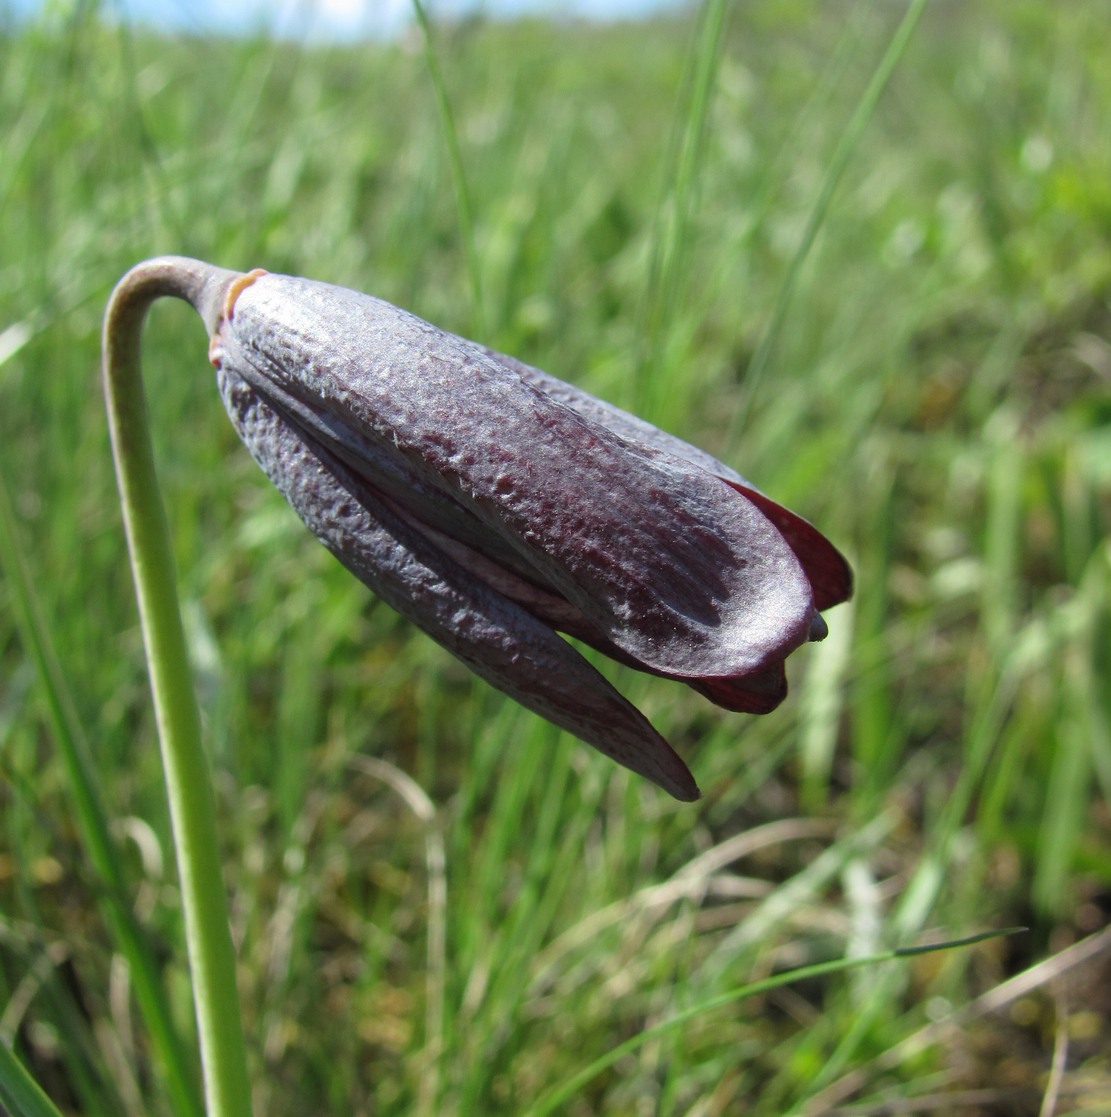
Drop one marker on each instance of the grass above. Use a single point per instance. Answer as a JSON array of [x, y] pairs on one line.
[[442, 905]]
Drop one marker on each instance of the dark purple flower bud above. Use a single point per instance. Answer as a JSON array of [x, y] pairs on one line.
[[495, 506]]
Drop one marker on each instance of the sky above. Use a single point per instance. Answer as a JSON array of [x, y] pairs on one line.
[[338, 20]]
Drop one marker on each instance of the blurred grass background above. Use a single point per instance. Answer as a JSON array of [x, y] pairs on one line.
[[442, 905]]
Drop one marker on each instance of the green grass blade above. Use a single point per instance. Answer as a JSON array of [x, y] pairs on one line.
[[455, 162], [676, 212], [180, 1074], [551, 1102], [20, 1094], [1080, 732], [838, 164]]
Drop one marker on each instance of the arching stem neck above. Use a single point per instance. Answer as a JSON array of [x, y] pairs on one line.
[[188, 780]]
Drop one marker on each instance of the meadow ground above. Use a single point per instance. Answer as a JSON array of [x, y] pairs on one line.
[[885, 302]]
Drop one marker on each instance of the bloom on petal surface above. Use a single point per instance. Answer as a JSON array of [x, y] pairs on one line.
[[495, 507]]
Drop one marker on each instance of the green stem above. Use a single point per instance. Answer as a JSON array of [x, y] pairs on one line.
[[188, 781]]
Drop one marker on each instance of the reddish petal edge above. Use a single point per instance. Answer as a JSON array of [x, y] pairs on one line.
[[758, 693], [830, 575]]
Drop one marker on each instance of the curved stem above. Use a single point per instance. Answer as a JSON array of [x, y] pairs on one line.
[[188, 781]]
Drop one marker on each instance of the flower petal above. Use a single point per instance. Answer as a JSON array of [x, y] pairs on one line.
[[829, 573], [757, 693], [501, 642], [826, 568], [675, 567], [631, 427]]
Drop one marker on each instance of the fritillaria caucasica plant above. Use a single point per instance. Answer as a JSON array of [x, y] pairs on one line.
[[493, 505]]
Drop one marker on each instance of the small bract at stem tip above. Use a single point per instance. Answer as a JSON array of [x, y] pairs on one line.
[[238, 286], [230, 292]]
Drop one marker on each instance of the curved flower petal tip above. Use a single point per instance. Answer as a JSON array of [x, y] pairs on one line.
[[829, 574], [497, 507]]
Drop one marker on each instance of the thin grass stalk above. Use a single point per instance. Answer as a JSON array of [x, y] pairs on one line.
[[20, 1094], [92, 818], [838, 164], [186, 771], [1080, 733], [455, 162], [672, 233], [556, 1098]]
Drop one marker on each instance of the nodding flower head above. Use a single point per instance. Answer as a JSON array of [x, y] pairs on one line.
[[496, 507]]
